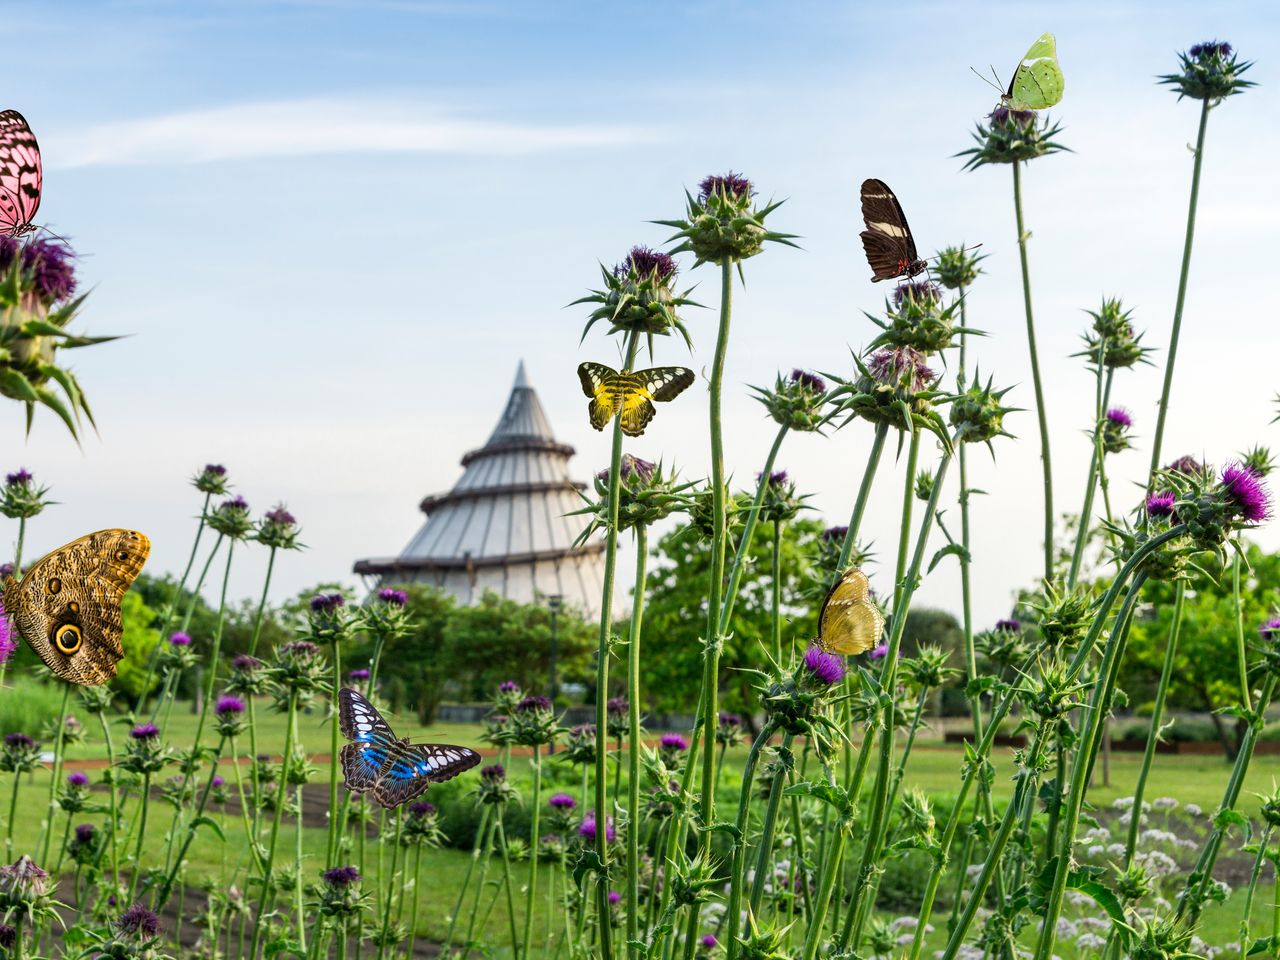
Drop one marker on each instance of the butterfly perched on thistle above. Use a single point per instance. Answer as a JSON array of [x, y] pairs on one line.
[[393, 770], [850, 622], [1037, 82], [630, 396], [21, 175], [889, 245], [68, 604]]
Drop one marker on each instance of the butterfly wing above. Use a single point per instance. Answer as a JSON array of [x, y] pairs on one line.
[[850, 622], [662, 384], [68, 604], [1037, 83], [359, 720], [446, 761], [21, 175], [887, 241], [600, 384]]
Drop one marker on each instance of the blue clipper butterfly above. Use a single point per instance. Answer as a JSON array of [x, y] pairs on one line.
[[392, 769]]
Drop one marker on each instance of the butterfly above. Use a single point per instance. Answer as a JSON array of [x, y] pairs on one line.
[[21, 175], [68, 604], [891, 250], [393, 770], [850, 622], [630, 395], [1037, 82]]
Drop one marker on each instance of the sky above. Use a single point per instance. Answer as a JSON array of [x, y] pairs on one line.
[[332, 229]]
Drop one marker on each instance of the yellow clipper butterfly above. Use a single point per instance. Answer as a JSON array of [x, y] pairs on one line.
[[621, 393], [850, 622], [1037, 82], [68, 604]]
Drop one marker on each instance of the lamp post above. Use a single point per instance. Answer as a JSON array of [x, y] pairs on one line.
[[554, 603]]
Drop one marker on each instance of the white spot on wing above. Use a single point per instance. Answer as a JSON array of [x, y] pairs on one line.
[[888, 229]]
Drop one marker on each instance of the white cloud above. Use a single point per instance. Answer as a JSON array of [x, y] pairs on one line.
[[313, 127]]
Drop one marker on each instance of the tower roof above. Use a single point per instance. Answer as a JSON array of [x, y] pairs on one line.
[[508, 514]]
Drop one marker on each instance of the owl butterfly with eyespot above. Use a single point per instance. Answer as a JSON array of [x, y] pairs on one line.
[[850, 622], [21, 175], [68, 604], [392, 769], [630, 396]]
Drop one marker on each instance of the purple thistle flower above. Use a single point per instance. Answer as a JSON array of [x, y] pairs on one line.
[[138, 922], [633, 468], [280, 516], [901, 367], [8, 635], [341, 877], [1002, 116], [617, 706], [86, 833], [145, 731], [562, 801], [21, 478], [52, 269], [1160, 503], [235, 503], [587, 829], [917, 290], [393, 597], [218, 781], [733, 185], [826, 668], [1120, 417], [215, 469], [229, 706], [326, 603], [810, 381], [7, 570], [1187, 466], [8, 936], [709, 941], [646, 263], [1246, 491], [180, 640], [1271, 629], [834, 534], [673, 741], [244, 663], [879, 652], [421, 809], [615, 897], [299, 648], [494, 773], [1009, 625], [20, 740], [1211, 48], [531, 703], [78, 779], [508, 686], [776, 479], [360, 673], [730, 719]]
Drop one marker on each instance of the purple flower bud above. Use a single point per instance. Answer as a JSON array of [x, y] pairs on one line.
[[562, 801], [393, 597], [8, 936], [618, 706], [826, 668], [730, 719], [218, 781], [809, 380], [1187, 466], [244, 663], [917, 290], [1244, 490], [21, 478], [422, 809], [647, 263], [20, 740], [86, 833], [1120, 417], [615, 897], [138, 922], [180, 640], [709, 941], [1009, 625], [360, 673], [834, 534], [673, 741], [494, 773], [1271, 629], [1002, 116], [78, 779], [529, 704], [229, 706], [587, 829], [280, 516], [732, 185], [237, 503], [776, 479], [145, 731], [1160, 503], [299, 648], [1210, 49], [879, 652], [215, 469], [341, 877], [508, 686], [327, 603]]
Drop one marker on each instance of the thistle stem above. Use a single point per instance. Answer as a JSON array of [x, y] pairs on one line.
[[864, 492], [739, 850], [58, 741], [1041, 413], [633, 752], [1103, 393], [748, 532], [259, 926], [1157, 444], [535, 808], [335, 836]]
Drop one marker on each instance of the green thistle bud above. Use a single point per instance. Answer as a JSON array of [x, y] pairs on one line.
[[1258, 461], [796, 402], [764, 944], [977, 414], [1112, 341], [701, 512], [721, 225], [895, 386], [231, 519], [1063, 615], [646, 495], [917, 818], [638, 296], [957, 267], [21, 498], [1114, 430], [1052, 694], [924, 485], [1005, 646], [781, 502], [916, 318], [1209, 71], [1161, 939], [1011, 136], [928, 669], [1134, 885]]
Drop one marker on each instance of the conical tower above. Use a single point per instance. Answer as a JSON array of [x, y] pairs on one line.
[[505, 525]]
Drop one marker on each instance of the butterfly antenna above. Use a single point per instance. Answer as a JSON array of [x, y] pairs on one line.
[[938, 256], [984, 79]]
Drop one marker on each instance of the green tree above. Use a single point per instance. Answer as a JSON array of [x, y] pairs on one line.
[[676, 614], [140, 639]]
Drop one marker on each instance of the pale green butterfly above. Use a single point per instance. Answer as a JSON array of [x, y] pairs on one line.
[[1037, 83]]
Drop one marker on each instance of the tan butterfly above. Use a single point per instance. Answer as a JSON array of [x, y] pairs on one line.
[[630, 395], [850, 622], [68, 604]]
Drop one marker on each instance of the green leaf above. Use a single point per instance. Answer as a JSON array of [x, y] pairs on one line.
[[15, 384], [206, 821], [951, 549], [588, 862]]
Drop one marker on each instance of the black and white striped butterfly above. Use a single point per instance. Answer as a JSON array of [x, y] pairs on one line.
[[890, 248], [392, 769]]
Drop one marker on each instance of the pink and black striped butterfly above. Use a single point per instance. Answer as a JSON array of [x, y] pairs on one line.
[[890, 248], [21, 175], [393, 770]]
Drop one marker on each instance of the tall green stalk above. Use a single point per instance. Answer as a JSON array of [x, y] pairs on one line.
[[1157, 444], [864, 493], [335, 836], [737, 872], [1041, 414], [259, 926], [633, 754], [47, 832], [1103, 393], [535, 808]]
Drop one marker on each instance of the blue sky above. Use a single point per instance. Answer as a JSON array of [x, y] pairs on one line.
[[332, 229]]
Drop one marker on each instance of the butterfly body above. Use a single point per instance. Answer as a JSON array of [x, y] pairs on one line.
[[21, 175], [1037, 83], [887, 240], [850, 622], [390, 768], [630, 395], [67, 605]]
